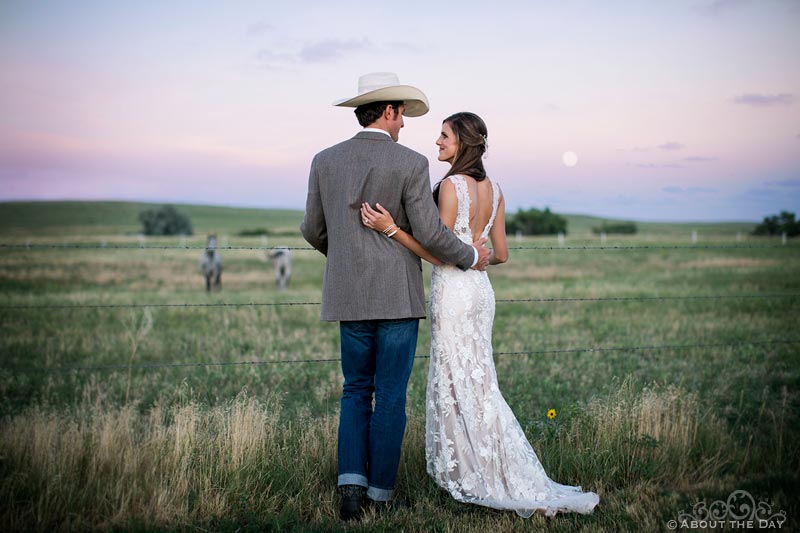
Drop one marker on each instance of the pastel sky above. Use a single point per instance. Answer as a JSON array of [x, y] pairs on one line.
[[678, 110]]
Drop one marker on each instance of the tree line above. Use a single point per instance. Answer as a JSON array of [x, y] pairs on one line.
[[779, 224], [166, 220]]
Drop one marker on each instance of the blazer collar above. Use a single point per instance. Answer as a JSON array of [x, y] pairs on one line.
[[372, 136]]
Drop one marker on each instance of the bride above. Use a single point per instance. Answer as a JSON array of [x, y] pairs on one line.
[[474, 446]]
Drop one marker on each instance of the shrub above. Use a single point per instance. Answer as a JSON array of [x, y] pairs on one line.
[[165, 221], [778, 224], [628, 228], [255, 232], [536, 222]]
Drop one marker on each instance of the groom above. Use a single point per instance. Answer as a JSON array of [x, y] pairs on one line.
[[372, 286]]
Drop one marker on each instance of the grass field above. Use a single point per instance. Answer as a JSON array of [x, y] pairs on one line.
[[694, 401]]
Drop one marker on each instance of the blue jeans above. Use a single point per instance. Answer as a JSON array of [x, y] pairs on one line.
[[377, 357]]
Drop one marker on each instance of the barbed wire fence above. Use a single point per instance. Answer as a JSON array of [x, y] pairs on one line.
[[101, 246], [499, 300], [330, 359]]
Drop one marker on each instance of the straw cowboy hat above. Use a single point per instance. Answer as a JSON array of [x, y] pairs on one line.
[[385, 87]]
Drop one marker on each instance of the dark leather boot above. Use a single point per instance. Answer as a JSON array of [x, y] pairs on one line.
[[352, 501]]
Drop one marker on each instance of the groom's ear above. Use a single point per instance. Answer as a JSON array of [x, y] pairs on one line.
[[391, 111]]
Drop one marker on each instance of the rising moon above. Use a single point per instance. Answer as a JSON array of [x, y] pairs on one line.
[[570, 159]]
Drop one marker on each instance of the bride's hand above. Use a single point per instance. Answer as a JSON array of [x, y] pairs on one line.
[[378, 220]]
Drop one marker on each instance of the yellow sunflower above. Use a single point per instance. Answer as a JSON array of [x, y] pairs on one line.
[[551, 414]]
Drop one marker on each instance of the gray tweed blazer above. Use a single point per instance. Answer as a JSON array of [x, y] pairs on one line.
[[367, 276]]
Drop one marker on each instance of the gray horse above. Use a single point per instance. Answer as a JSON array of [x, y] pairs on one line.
[[211, 264], [282, 258]]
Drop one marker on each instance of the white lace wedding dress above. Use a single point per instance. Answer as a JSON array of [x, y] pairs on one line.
[[474, 446]]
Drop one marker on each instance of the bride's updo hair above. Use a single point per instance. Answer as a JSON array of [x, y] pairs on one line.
[[471, 136]]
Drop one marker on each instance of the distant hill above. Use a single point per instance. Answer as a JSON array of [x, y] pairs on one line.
[[581, 225], [120, 218]]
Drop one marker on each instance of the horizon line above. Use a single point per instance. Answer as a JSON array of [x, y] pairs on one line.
[[277, 208]]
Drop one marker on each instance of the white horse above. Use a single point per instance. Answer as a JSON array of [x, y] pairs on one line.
[[282, 258], [211, 264]]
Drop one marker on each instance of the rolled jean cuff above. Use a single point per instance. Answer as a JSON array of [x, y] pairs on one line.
[[353, 479], [380, 495]]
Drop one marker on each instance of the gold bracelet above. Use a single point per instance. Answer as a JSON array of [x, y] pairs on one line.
[[387, 229]]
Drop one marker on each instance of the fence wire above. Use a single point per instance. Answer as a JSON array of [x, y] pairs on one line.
[[500, 300], [34, 246], [330, 359]]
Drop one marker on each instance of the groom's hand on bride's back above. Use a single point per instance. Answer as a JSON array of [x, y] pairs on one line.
[[484, 254]]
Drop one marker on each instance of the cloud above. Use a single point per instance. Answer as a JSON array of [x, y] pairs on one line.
[[405, 47], [763, 193], [783, 183], [700, 159], [259, 28], [634, 149], [47, 167], [673, 189], [331, 50], [718, 7], [659, 165], [271, 58], [622, 200], [764, 100], [324, 51], [672, 146]]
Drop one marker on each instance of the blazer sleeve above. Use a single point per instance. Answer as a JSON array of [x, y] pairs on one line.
[[314, 228], [426, 226]]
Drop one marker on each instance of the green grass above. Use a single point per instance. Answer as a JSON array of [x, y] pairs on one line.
[[253, 446]]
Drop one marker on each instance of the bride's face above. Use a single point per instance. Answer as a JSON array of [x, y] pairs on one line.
[[447, 143]]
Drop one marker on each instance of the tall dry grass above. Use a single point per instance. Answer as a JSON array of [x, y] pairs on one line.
[[101, 466], [660, 435]]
